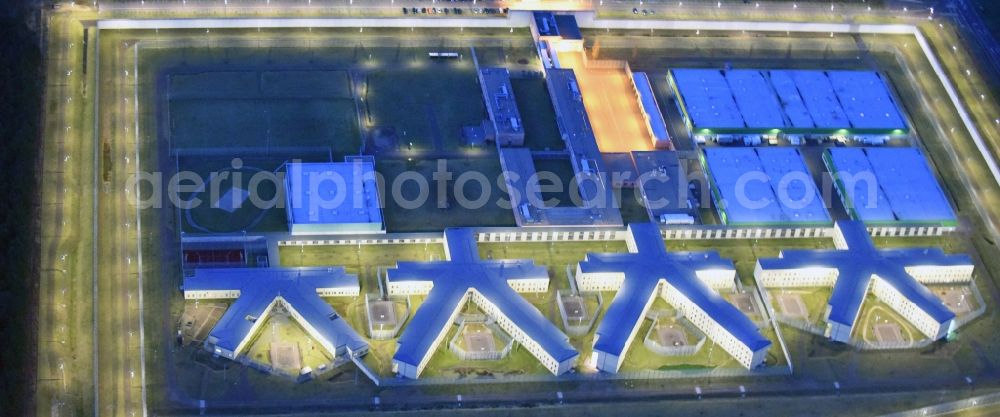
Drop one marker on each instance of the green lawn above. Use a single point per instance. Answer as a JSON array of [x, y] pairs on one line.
[[535, 105], [428, 105], [408, 213]]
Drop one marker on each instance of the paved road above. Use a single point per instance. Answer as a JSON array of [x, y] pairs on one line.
[[64, 373], [119, 366]]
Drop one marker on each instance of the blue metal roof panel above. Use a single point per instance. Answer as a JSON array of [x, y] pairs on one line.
[[820, 99], [748, 180], [852, 167], [756, 100], [332, 193], [791, 100], [866, 100], [911, 188], [859, 262], [707, 98], [786, 168]]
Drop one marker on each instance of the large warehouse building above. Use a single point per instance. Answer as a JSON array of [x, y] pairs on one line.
[[685, 280], [763, 187], [885, 186], [753, 101], [259, 290], [896, 276], [492, 285], [324, 198]]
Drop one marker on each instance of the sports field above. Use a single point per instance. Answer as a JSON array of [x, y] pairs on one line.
[[232, 201], [261, 108], [427, 105]]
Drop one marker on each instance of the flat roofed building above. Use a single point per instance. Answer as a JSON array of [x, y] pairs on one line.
[[333, 197], [706, 99], [651, 111], [755, 101], [258, 290], [492, 285], [501, 106], [755, 98], [865, 99], [686, 280], [763, 186], [822, 109], [562, 26], [888, 186], [585, 156], [895, 276], [662, 182]]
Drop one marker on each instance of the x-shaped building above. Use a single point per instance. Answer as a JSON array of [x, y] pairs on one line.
[[259, 290], [898, 277], [492, 285], [686, 280]]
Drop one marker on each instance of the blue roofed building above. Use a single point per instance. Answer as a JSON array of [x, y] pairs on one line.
[[888, 186], [686, 280], [492, 285], [763, 187], [766, 102], [257, 291], [897, 277], [323, 198]]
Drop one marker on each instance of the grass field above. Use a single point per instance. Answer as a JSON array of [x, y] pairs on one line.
[[446, 363], [427, 106], [262, 107], [537, 114], [213, 214], [441, 210], [282, 329]]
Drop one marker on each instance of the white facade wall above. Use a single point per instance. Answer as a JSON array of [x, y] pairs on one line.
[[712, 329], [549, 362], [253, 329], [327, 344], [805, 277], [408, 370], [610, 362], [718, 278], [838, 332], [532, 285], [941, 274], [409, 287], [211, 294], [605, 281], [352, 291], [906, 308]]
